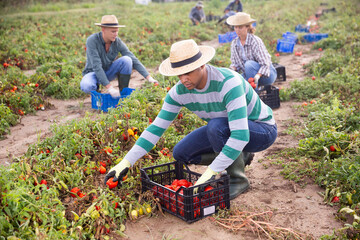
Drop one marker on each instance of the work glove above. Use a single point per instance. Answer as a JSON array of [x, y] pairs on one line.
[[256, 79], [152, 80], [208, 175], [113, 92], [118, 172]]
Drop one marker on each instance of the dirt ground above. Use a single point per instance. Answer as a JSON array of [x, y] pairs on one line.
[[296, 208]]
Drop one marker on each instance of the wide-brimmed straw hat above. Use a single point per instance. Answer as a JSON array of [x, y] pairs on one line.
[[185, 56], [240, 19], [109, 21]]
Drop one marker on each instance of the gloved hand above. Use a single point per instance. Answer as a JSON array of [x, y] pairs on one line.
[[118, 172], [113, 92], [256, 79], [208, 175], [150, 79]]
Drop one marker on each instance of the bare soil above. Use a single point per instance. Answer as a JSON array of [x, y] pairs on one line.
[[294, 207]]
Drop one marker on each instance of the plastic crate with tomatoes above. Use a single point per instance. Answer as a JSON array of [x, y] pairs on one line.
[[172, 183]]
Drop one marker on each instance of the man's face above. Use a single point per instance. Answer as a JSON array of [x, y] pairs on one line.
[[194, 79], [110, 34]]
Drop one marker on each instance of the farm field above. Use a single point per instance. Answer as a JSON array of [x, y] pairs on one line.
[[306, 186]]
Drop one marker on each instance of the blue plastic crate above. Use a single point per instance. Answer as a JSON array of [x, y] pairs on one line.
[[301, 28], [285, 46], [227, 37], [104, 101], [314, 37], [290, 36]]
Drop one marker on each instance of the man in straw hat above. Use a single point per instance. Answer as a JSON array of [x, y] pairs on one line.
[[197, 14], [101, 67], [238, 122], [248, 52]]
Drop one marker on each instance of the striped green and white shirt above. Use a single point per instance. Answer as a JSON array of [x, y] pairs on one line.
[[226, 94]]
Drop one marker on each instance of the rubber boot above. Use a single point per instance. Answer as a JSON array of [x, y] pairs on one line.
[[123, 80], [238, 180], [207, 158]]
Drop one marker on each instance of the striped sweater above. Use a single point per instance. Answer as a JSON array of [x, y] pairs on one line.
[[226, 94]]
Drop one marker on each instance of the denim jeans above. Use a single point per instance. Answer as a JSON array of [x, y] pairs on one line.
[[122, 65], [252, 68], [212, 138]]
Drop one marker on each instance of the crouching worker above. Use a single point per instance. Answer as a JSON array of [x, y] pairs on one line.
[[238, 122], [101, 67]]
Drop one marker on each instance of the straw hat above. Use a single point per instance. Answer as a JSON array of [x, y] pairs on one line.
[[185, 56], [109, 21], [200, 4], [240, 19]]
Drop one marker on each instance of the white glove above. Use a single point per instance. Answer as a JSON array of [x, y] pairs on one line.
[[113, 92], [150, 79], [119, 171], [256, 79], [208, 175]]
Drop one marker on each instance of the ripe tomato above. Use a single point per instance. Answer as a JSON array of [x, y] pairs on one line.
[[81, 195], [103, 164], [108, 150], [183, 182], [43, 182], [313, 77], [332, 148], [75, 190], [111, 184], [335, 199], [102, 170]]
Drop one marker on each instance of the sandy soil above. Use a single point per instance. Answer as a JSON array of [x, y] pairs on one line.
[[297, 208]]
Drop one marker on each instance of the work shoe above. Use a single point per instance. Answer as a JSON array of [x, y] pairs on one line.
[[239, 183], [123, 80]]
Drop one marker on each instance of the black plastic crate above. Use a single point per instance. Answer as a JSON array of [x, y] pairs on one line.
[[183, 203], [281, 73], [270, 96]]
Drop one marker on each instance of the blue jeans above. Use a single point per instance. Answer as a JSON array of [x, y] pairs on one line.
[[122, 65], [252, 68], [212, 138]]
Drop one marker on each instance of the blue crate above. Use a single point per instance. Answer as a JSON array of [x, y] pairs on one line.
[[302, 28], [227, 37], [290, 36], [314, 37], [285, 46], [104, 101]]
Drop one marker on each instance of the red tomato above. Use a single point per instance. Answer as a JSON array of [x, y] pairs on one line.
[[98, 208], [335, 199], [332, 148], [175, 183], [183, 182], [103, 164], [75, 190], [43, 182], [111, 184], [102, 170], [81, 195]]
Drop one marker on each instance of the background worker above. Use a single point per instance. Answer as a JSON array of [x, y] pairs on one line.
[[235, 6], [248, 52], [227, 13], [238, 122], [197, 14], [101, 66]]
